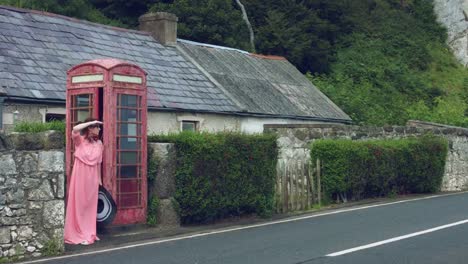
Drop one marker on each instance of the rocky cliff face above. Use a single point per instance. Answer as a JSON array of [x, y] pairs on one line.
[[453, 14]]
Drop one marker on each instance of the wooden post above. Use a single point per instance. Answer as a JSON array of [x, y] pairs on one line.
[[304, 181], [278, 187], [285, 188], [310, 174], [291, 187], [319, 184]]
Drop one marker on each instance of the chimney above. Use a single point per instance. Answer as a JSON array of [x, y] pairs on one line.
[[161, 25]]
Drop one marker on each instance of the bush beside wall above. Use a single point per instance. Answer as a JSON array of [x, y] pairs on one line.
[[222, 175], [364, 169]]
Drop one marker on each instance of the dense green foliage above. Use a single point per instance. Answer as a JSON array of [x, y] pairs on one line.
[[81, 9], [222, 175], [208, 21], [394, 66], [381, 61], [34, 127], [366, 169]]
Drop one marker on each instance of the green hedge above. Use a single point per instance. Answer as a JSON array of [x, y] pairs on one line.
[[224, 174], [34, 127], [365, 169]]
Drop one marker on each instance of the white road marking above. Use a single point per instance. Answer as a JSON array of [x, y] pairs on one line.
[[391, 240], [220, 231]]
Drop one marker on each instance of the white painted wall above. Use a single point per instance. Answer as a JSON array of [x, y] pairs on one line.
[[170, 122], [160, 122]]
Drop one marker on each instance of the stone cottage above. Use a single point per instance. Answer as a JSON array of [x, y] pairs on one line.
[[192, 86]]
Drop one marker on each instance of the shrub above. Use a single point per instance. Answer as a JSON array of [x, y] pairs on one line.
[[34, 127], [153, 200], [364, 169], [153, 204], [224, 174], [52, 247]]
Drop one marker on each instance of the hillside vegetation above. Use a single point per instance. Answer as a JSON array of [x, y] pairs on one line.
[[381, 61]]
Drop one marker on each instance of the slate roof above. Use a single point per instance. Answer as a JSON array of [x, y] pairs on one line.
[[37, 48], [263, 84]]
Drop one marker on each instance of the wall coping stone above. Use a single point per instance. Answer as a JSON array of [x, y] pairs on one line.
[[45, 140]]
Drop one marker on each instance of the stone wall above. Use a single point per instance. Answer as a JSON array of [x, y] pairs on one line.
[[31, 194], [294, 142]]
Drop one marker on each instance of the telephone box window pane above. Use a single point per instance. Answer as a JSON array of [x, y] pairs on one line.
[[129, 130], [129, 100], [129, 200], [128, 171], [87, 78], [128, 157], [129, 185], [83, 114], [82, 101], [129, 143], [129, 115], [127, 79]]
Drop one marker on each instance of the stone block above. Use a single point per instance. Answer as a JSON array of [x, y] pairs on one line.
[[53, 214], [29, 183], [60, 185], [5, 143], [7, 165], [5, 237], [26, 141], [164, 184], [54, 140], [167, 215], [51, 161], [15, 197], [35, 205], [25, 233], [42, 193], [28, 162], [7, 221]]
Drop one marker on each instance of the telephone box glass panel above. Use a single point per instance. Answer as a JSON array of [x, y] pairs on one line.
[[129, 125], [82, 107]]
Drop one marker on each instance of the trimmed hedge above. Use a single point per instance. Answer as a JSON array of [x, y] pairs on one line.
[[224, 174], [365, 169], [35, 127]]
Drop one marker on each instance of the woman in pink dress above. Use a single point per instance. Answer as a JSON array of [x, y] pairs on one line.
[[80, 220]]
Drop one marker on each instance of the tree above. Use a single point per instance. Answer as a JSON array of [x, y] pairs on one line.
[[126, 11], [81, 9], [209, 21]]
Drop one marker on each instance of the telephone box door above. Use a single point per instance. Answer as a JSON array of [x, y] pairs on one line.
[[130, 156], [81, 104]]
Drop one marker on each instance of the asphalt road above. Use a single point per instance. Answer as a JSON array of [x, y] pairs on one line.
[[433, 230]]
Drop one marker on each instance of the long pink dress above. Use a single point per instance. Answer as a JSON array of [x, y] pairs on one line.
[[80, 220]]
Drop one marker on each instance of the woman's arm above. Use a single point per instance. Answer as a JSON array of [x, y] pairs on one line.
[[84, 125]]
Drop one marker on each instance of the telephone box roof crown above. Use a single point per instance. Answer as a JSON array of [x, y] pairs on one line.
[[107, 63]]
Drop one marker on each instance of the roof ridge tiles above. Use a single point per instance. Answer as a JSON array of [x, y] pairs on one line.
[[76, 20]]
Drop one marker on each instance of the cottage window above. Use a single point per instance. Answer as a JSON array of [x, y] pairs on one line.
[[189, 126], [54, 117], [190, 122]]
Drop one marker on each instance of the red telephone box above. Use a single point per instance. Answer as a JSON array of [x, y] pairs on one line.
[[113, 91]]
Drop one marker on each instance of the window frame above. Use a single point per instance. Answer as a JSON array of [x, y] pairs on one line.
[[197, 121]]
